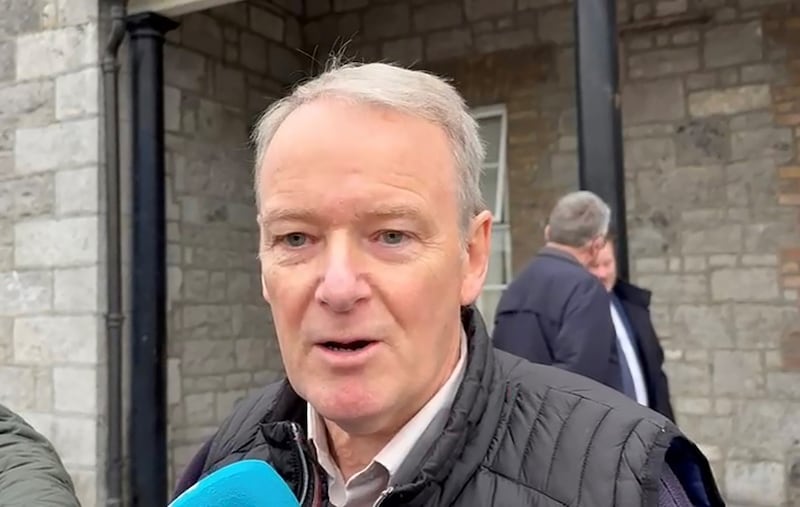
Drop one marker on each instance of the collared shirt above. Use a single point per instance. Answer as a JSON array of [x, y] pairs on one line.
[[628, 348], [364, 488]]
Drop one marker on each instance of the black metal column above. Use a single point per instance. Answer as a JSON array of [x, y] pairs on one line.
[[148, 422], [601, 160]]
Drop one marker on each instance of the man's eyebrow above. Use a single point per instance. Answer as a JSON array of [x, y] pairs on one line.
[[379, 212], [391, 211], [287, 215]]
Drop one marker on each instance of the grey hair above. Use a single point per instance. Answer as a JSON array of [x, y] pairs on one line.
[[578, 218], [412, 92]]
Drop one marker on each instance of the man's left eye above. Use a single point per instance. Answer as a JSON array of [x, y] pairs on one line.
[[392, 237]]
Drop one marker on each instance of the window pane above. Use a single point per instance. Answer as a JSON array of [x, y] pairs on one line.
[[490, 133], [489, 187], [487, 304], [498, 259]]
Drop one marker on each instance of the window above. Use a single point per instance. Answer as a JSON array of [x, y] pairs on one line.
[[492, 122]]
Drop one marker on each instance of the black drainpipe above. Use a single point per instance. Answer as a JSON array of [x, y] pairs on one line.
[[148, 422], [114, 316], [601, 161]]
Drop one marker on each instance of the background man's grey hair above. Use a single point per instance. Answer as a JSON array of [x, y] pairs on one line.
[[578, 218], [412, 92]]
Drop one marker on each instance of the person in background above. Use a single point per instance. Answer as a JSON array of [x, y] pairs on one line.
[[31, 473], [555, 312], [641, 354], [374, 247]]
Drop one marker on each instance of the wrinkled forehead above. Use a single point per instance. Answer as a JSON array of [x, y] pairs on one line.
[[336, 148]]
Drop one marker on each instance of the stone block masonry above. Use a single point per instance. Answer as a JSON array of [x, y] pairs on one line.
[[50, 256], [222, 68]]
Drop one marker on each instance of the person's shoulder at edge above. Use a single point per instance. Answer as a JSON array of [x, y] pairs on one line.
[[686, 481]]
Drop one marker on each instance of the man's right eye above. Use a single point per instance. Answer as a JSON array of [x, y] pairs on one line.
[[294, 239]]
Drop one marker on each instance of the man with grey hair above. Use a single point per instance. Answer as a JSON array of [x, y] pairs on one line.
[[555, 312], [374, 246]]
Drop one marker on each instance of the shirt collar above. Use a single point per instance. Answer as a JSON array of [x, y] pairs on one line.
[[417, 434]]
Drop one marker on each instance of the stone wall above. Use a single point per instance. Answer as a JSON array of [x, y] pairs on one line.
[[222, 67], [710, 116], [50, 257]]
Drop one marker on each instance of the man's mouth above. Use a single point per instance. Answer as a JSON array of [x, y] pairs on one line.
[[352, 346]]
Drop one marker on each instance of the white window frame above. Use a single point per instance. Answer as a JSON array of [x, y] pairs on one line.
[[501, 212]]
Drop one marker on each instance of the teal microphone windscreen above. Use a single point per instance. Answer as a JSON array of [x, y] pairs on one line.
[[247, 483]]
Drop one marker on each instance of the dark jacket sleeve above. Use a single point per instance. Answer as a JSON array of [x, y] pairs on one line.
[[518, 333], [587, 332], [193, 470], [31, 473]]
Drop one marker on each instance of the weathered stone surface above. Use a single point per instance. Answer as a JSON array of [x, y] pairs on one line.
[[208, 357], [74, 388], [202, 33], [386, 21], [729, 101], [447, 44], [760, 483], [693, 379], [702, 141], [733, 44], [284, 64], [649, 154], [670, 7], [434, 16], [738, 373], [702, 326], [56, 339], [663, 62], [26, 197], [674, 288], [638, 105], [18, 387], [75, 290], [25, 292], [27, 104], [480, 9], [744, 284], [492, 42], [77, 94], [556, 25], [752, 183], [761, 326], [76, 191], [62, 242], [61, 145], [404, 51], [767, 143], [253, 53], [43, 54], [266, 23], [712, 239], [317, 7]]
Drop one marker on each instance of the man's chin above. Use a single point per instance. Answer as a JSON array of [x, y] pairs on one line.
[[349, 408]]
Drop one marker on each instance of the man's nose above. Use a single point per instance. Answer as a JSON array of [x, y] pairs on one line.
[[342, 284]]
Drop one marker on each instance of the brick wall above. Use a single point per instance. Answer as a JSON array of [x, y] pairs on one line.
[[222, 67], [50, 341], [710, 123]]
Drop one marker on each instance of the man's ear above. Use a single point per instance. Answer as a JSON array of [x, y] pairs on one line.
[[546, 233], [476, 261]]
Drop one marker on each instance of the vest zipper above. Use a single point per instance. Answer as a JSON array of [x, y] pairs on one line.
[[314, 498], [386, 492]]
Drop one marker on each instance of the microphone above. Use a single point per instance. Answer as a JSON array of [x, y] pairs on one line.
[[247, 483]]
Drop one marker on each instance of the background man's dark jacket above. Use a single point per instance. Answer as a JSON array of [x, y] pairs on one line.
[[556, 312], [518, 434], [636, 305]]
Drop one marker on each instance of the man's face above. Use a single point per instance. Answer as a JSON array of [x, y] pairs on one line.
[[363, 261], [604, 266]]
